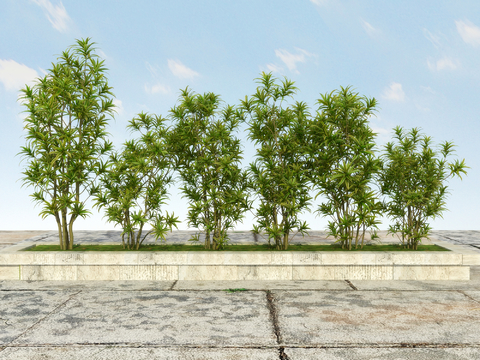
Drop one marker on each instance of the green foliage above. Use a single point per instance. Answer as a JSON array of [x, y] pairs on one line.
[[413, 180], [342, 164], [277, 175], [207, 158], [135, 185], [66, 137]]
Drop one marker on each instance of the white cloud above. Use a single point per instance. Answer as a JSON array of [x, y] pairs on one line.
[[157, 88], [319, 2], [151, 69], [180, 70], [102, 55], [291, 60], [43, 71], [118, 106], [14, 76], [274, 68], [56, 14], [434, 39], [469, 32], [394, 92], [369, 29], [442, 64], [428, 89]]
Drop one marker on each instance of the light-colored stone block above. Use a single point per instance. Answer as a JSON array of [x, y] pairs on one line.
[[257, 272], [281, 258], [421, 272], [205, 272], [166, 272], [248, 258], [413, 258], [325, 272], [170, 258], [16, 258], [48, 272], [471, 259], [205, 258], [98, 272], [137, 272], [145, 258], [307, 258], [343, 272], [364, 272], [103, 258], [68, 258], [44, 257], [349, 258], [11, 272], [383, 258]]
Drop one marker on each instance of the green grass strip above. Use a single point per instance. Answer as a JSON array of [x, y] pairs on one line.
[[263, 247]]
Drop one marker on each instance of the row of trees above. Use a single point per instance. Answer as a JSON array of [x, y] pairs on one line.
[[331, 152]]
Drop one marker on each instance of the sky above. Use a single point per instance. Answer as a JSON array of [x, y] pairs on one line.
[[420, 59]]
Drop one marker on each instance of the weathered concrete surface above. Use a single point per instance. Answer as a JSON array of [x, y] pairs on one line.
[[19, 311], [383, 354], [144, 320], [313, 319], [22, 285], [150, 318], [380, 317], [263, 285], [115, 353], [8, 237]]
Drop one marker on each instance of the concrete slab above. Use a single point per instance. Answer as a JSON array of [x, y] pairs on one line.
[[8, 237], [262, 285], [383, 354], [438, 285], [380, 317], [22, 285], [475, 296], [21, 310], [128, 353], [156, 318]]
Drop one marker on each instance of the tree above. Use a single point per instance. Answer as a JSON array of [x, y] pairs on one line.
[[134, 186], [413, 180], [207, 158], [342, 164], [66, 137], [277, 174]]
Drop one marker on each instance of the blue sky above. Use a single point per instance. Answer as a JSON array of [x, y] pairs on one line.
[[420, 60]]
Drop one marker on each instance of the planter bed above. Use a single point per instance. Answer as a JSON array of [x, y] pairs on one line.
[[17, 264], [236, 247]]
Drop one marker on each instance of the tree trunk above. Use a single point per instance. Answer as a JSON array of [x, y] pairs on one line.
[[65, 230]]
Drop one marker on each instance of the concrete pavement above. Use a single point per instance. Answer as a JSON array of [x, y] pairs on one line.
[[242, 319]]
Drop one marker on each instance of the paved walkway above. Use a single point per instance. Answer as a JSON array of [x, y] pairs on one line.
[[243, 320]]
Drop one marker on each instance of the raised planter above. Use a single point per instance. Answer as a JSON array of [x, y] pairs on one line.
[[225, 265]]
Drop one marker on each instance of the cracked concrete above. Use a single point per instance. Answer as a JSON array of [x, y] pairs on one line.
[[351, 319]]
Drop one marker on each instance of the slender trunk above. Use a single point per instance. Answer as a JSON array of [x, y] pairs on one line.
[[275, 226], [65, 229], [139, 234], [70, 232], [60, 232]]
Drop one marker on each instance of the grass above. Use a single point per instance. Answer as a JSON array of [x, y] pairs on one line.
[[263, 247]]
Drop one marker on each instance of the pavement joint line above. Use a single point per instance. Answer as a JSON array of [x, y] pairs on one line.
[[173, 285], [274, 316], [291, 346], [222, 290], [351, 285], [46, 316], [468, 296]]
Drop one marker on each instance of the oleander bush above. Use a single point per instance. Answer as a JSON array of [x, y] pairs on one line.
[[332, 152]]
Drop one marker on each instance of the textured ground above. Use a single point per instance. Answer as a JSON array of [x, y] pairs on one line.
[[389, 320]]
